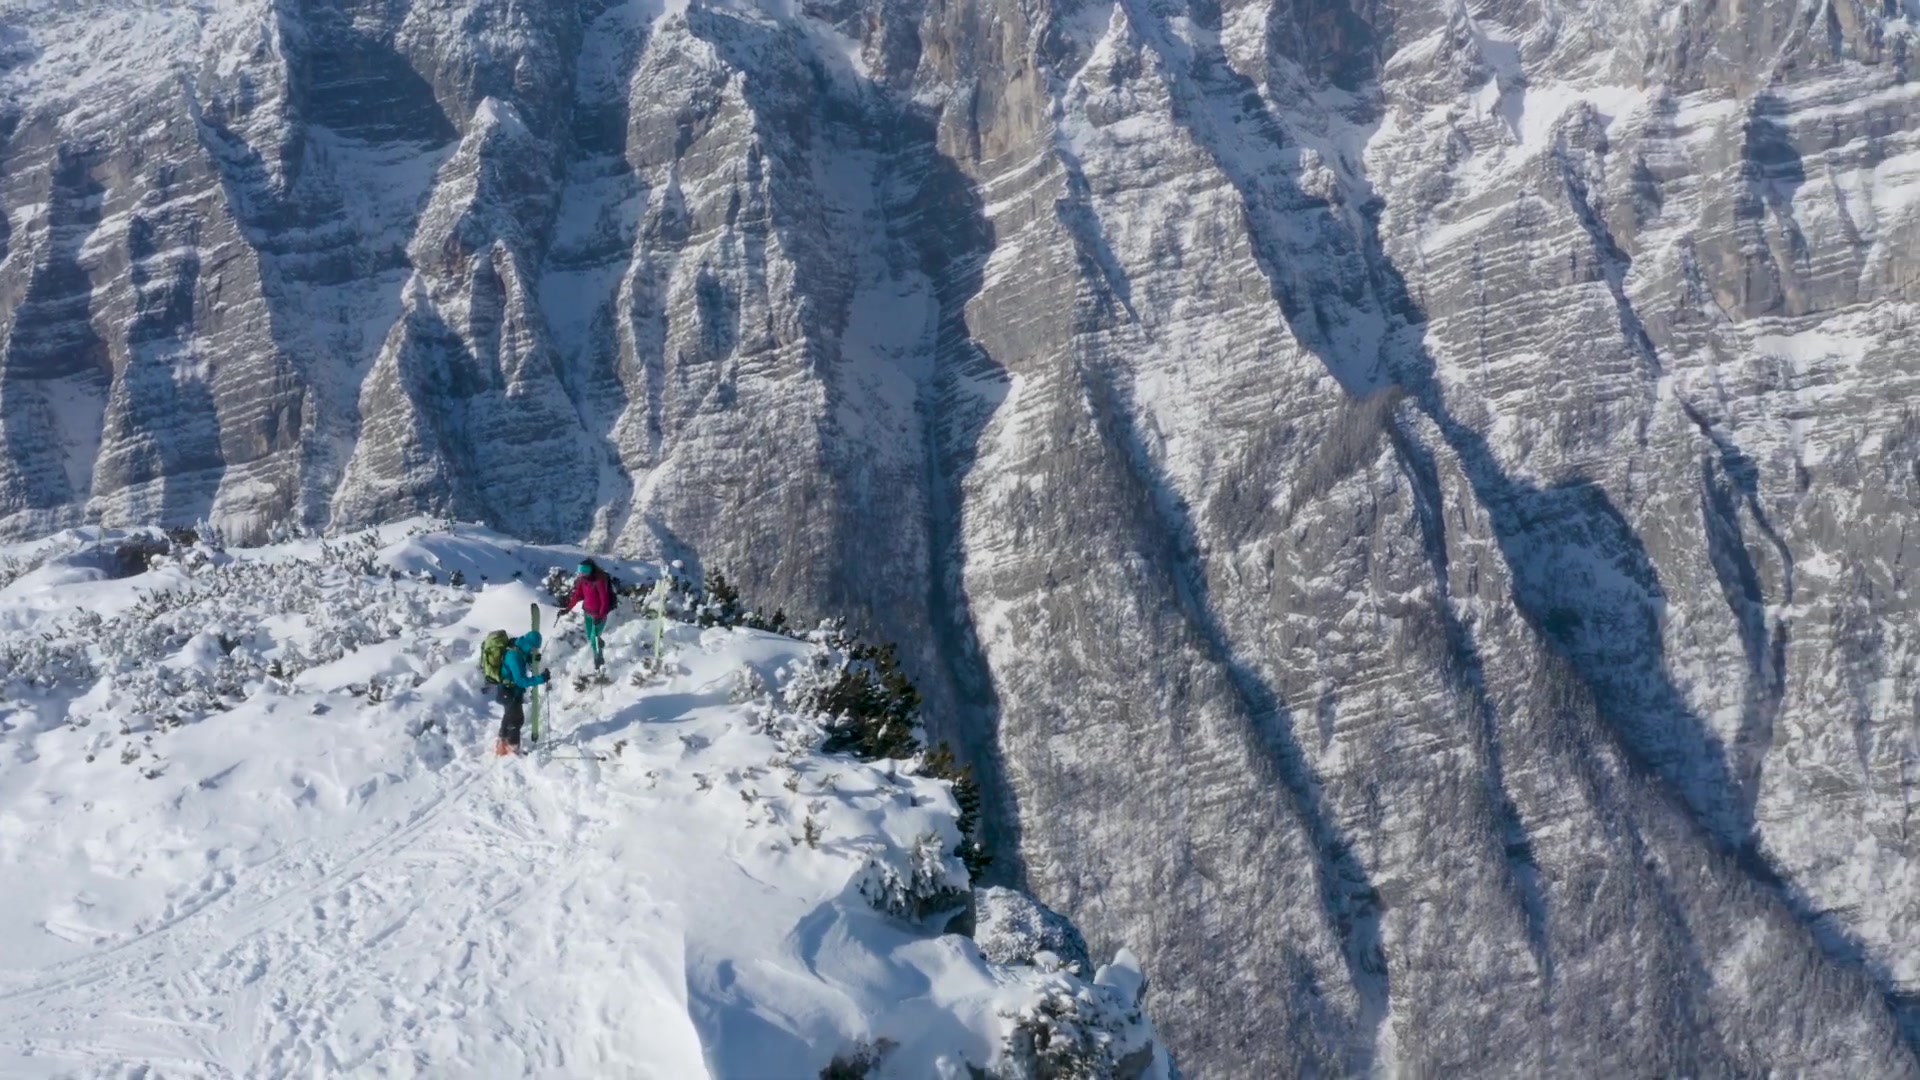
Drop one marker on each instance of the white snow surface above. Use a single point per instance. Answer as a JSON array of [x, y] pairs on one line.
[[322, 869]]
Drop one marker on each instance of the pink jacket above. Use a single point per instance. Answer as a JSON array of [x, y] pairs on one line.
[[594, 593]]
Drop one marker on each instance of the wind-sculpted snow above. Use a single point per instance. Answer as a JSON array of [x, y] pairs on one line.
[[253, 826], [1408, 506]]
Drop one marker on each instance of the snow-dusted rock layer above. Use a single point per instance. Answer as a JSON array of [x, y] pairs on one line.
[[251, 824], [1409, 503]]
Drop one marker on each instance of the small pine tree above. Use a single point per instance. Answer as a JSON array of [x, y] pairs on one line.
[[868, 705], [872, 708], [941, 765], [721, 604]]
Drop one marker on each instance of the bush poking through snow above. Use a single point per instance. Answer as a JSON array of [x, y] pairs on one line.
[[1076, 1030], [928, 887], [1013, 928], [359, 555], [858, 1061], [136, 554], [721, 606], [871, 707], [559, 584], [858, 694], [941, 765], [711, 602], [748, 687], [180, 654]]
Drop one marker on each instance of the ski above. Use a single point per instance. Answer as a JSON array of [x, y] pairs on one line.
[[660, 623], [533, 694]]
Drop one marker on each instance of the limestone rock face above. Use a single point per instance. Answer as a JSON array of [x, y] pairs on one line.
[[1409, 506]]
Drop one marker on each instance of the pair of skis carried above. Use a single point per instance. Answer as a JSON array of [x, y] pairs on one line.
[[534, 695], [535, 715]]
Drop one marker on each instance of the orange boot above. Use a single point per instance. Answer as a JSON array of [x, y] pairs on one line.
[[501, 749]]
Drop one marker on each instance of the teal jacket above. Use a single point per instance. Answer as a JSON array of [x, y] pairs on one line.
[[513, 666]]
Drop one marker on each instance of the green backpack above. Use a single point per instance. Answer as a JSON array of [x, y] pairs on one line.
[[492, 651]]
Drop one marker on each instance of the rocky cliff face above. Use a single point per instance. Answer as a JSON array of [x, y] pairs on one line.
[[1448, 473]]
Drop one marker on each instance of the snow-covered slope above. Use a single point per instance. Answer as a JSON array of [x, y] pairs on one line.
[[251, 825]]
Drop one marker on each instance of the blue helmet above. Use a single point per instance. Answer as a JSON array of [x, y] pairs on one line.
[[530, 639]]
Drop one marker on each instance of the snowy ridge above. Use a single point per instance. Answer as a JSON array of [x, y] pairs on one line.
[[1409, 508], [251, 827]]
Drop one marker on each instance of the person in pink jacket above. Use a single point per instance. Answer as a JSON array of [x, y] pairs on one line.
[[593, 591]]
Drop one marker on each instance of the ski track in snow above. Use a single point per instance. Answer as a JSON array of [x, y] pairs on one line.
[[314, 883], [245, 983]]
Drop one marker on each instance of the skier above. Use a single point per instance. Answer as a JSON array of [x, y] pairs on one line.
[[514, 684], [593, 591]]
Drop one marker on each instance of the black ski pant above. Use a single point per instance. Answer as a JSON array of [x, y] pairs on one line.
[[515, 701]]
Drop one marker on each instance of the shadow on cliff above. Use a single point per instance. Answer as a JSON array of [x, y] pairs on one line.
[[358, 84], [9, 123], [946, 225], [166, 405], [585, 285], [52, 337], [1349, 901], [936, 219], [161, 417], [1581, 577], [298, 216]]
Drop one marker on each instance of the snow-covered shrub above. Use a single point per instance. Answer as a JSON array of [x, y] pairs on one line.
[[1013, 928], [720, 605], [358, 555], [42, 662], [280, 532], [931, 883], [748, 686], [137, 554], [177, 655], [559, 584], [1075, 1030], [634, 595], [870, 707], [712, 601], [851, 696]]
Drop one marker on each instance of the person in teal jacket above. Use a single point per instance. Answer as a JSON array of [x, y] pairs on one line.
[[515, 681]]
